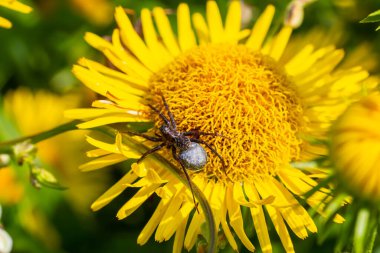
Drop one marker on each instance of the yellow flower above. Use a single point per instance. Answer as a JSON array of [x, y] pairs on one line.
[[355, 147], [218, 78], [11, 191], [13, 5], [97, 11], [35, 112]]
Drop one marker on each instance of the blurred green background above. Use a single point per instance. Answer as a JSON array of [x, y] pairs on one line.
[[38, 53]]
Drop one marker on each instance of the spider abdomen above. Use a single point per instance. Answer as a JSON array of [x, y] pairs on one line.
[[194, 157]]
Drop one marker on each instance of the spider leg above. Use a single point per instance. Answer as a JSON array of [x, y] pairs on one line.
[[212, 149], [197, 133], [172, 120], [151, 151], [150, 138], [163, 117], [186, 174]]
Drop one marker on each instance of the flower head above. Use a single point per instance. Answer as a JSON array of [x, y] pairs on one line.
[[355, 148], [13, 5], [217, 78]]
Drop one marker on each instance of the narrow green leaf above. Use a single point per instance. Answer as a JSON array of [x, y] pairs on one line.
[[373, 17], [360, 231]]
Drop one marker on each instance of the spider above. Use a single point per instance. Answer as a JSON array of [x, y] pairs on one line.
[[185, 146]]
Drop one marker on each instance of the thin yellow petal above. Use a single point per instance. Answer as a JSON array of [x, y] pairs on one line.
[[201, 28], [293, 67], [114, 191], [87, 113], [236, 219], [136, 201], [179, 236], [280, 42], [260, 29], [133, 41], [129, 80], [110, 120], [320, 68], [97, 42], [233, 21], [166, 31], [167, 220], [225, 225], [216, 200], [258, 218], [186, 37], [128, 64], [296, 216], [281, 229], [194, 227], [153, 222], [5, 23], [102, 162], [97, 153], [214, 20], [16, 6], [152, 41]]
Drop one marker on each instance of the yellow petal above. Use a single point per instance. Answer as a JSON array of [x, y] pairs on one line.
[[260, 29], [201, 28], [133, 41], [294, 66], [136, 201], [97, 42], [281, 229], [151, 39], [110, 120], [216, 200], [114, 191], [214, 21], [97, 152], [225, 225], [194, 227], [258, 218], [236, 219], [168, 224], [280, 42], [127, 64], [16, 6], [133, 82], [233, 21], [153, 222], [5, 23], [166, 31], [186, 37], [102, 162], [179, 236]]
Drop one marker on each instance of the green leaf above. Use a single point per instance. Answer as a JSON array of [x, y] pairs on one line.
[[373, 17], [360, 231]]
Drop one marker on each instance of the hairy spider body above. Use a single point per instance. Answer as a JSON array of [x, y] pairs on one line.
[[191, 155], [194, 157]]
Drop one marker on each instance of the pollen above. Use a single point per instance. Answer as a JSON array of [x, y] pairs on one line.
[[243, 96]]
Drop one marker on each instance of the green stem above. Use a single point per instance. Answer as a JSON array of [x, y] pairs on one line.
[[5, 146]]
